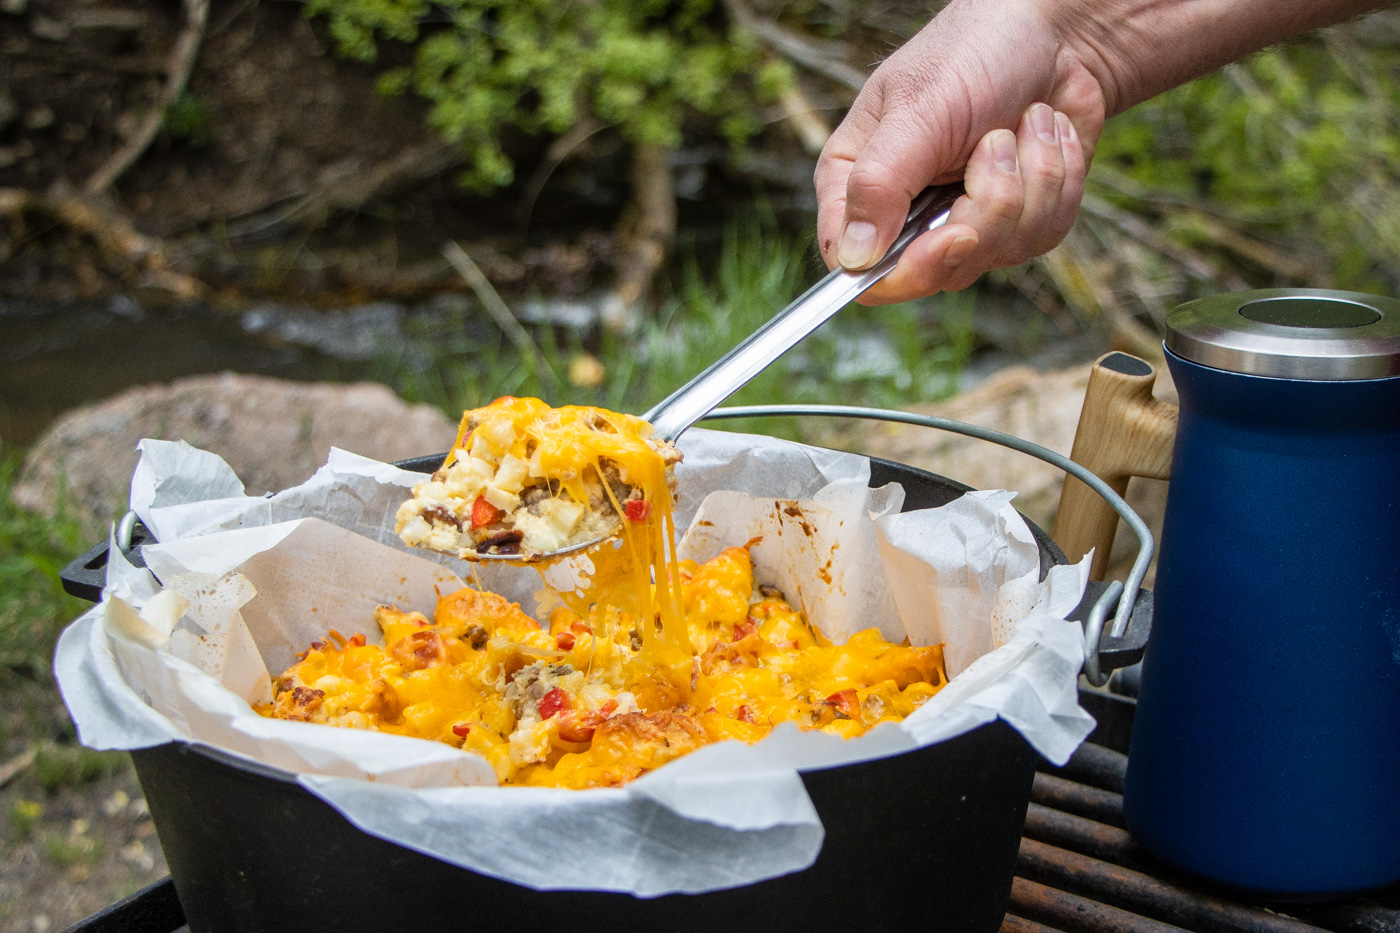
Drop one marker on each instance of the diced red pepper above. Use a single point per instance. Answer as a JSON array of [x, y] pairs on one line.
[[483, 513], [461, 730], [638, 510], [744, 714], [554, 701], [847, 701], [565, 641], [356, 641], [744, 629], [578, 628]]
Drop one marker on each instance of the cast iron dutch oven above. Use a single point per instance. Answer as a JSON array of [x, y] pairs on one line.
[[925, 840]]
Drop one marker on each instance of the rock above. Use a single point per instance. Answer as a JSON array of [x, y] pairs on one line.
[[1038, 407], [274, 434]]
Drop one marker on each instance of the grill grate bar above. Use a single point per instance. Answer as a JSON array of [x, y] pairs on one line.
[[1102, 806], [1079, 914], [1074, 840], [1014, 924], [1096, 766], [1351, 917], [1136, 891], [1108, 843]]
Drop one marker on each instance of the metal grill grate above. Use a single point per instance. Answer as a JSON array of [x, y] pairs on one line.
[[1080, 872]]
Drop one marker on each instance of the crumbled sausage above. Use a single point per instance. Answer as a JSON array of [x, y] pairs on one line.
[[442, 515], [501, 542]]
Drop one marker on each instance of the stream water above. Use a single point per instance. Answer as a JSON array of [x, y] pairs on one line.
[[54, 357]]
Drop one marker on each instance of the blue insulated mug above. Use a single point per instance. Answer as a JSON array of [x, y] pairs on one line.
[[1266, 746]]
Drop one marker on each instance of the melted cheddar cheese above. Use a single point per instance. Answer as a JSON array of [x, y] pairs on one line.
[[604, 470], [581, 702]]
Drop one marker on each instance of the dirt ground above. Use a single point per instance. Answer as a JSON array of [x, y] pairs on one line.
[[76, 835]]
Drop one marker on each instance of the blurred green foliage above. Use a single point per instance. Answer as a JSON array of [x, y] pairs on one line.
[[187, 120], [58, 766], [70, 850], [33, 606], [643, 66], [24, 816], [1297, 147]]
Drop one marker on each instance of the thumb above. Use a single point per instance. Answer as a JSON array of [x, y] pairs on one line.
[[902, 157]]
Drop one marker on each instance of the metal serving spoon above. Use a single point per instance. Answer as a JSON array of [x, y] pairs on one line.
[[698, 397]]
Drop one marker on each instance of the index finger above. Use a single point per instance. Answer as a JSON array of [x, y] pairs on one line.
[[834, 167]]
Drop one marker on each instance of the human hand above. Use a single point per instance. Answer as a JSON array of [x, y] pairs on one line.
[[986, 92]]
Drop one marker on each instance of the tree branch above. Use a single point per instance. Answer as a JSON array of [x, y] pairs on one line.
[[645, 232], [824, 58], [113, 233], [182, 57]]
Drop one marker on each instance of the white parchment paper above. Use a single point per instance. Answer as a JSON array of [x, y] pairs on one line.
[[239, 584]]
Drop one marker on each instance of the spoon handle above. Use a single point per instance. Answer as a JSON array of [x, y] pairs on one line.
[[696, 398]]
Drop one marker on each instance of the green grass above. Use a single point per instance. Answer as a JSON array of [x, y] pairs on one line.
[[24, 816], [60, 766], [67, 851], [890, 357], [33, 606]]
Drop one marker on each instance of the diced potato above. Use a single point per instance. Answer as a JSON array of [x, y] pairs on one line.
[[505, 501], [511, 474]]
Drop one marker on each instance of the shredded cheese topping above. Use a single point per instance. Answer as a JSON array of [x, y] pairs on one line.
[[581, 703]]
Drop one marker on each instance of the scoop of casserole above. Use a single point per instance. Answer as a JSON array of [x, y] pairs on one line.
[[529, 480]]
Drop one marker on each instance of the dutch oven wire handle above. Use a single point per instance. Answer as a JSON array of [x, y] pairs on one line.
[[1129, 605]]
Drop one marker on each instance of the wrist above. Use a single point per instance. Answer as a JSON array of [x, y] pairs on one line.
[[1139, 48], [1103, 38]]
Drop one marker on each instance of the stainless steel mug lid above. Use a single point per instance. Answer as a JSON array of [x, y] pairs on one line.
[[1290, 333]]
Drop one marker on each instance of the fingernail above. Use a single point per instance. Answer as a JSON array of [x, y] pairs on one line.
[[857, 245], [958, 250], [1043, 122], [1066, 127], [1004, 149]]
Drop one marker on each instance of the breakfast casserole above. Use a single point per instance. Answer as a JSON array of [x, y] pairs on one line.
[[579, 703]]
